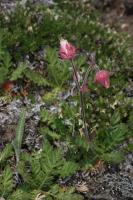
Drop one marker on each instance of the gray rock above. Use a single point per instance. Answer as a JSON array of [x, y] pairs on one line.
[[9, 6], [102, 3], [128, 6], [44, 2], [109, 183]]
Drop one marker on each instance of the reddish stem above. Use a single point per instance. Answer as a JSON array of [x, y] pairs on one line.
[[83, 115]]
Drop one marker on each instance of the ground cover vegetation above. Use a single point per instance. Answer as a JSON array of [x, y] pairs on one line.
[[64, 149]]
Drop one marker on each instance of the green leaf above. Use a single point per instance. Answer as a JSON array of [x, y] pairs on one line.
[[17, 142], [6, 59], [20, 194], [7, 152], [68, 169], [36, 78], [51, 96], [113, 157], [3, 74], [6, 182], [18, 72], [58, 71], [51, 134], [115, 119]]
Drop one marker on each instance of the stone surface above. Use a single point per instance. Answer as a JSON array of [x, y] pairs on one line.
[[9, 116], [103, 3], [109, 182], [128, 7], [9, 6]]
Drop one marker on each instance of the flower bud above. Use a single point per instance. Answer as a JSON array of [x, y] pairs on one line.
[[67, 51], [102, 78], [84, 88]]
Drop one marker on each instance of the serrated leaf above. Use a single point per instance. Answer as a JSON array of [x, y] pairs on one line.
[[115, 118], [68, 169], [7, 151], [58, 71], [35, 77], [18, 72], [6, 181], [113, 157]]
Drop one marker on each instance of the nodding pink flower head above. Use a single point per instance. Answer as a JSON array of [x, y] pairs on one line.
[[67, 51], [102, 78]]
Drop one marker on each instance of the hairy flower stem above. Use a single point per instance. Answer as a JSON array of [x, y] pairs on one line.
[[81, 102]]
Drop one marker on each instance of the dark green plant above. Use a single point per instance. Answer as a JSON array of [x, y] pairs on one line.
[[45, 168], [6, 182], [5, 154], [5, 61]]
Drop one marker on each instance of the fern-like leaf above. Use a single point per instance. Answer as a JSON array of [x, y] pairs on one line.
[[36, 78], [113, 157], [7, 152], [6, 182], [58, 72], [18, 72], [68, 169]]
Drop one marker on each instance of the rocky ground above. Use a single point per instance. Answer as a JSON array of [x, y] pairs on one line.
[[118, 13], [108, 182]]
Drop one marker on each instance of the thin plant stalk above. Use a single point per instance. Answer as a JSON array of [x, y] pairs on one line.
[[83, 115]]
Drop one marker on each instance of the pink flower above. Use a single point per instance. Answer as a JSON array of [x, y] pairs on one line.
[[84, 88], [67, 51], [102, 78]]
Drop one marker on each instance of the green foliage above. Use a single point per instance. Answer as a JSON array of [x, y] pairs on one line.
[[5, 59], [23, 34], [53, 127], [128, 148], [45, 167], [130, 121], [68, 169], [20, 195], [113, 157], [114, 136], [6, 153], [57, 193], [35, 77], [18, 72], [108, 138], [5, 64], [51, 97], [105, 143], [6, 182], [58, 71], [17, 142], [23, 71]]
